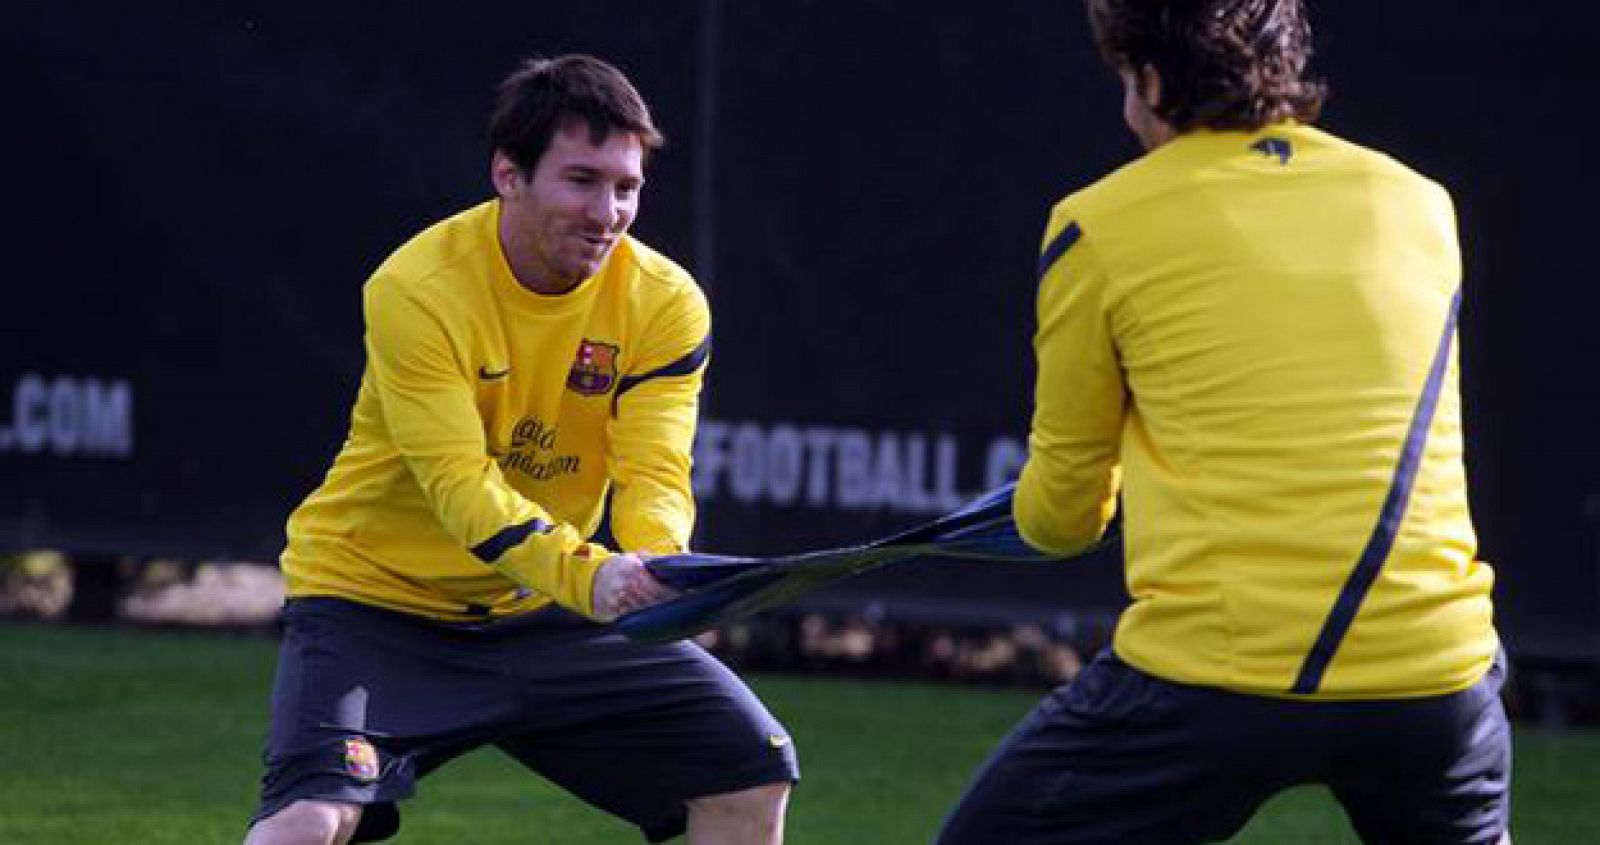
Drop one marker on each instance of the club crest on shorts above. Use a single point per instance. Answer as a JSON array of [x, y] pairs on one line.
[[360, 760], [594, 369]]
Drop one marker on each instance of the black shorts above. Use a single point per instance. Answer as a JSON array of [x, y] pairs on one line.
[[366, 701], [1118, 756]]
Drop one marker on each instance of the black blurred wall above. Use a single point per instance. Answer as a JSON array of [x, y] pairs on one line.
[[196, 195]]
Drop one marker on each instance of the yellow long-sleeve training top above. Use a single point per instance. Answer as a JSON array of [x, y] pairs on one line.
[[491, 422], [1252, 336]]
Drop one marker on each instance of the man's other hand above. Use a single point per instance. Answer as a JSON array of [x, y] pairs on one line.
[[622, 585]]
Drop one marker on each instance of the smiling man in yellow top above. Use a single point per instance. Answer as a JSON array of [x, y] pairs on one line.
[[524, 358], [493, 416], [1249, 334]]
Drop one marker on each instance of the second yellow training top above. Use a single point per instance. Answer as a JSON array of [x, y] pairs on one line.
[[492, 421], [1252, 337]]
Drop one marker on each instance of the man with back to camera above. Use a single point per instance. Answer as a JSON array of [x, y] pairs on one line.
[[1251, 332], [523, 357]]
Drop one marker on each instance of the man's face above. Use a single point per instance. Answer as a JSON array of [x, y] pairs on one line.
[[560, 223]]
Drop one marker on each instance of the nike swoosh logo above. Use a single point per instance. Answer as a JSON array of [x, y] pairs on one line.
[[485, 374]]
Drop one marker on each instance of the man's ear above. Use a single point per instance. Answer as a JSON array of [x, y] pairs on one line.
[[506, 176], [1150, 87]]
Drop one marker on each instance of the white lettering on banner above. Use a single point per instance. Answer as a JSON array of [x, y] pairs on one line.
[[784, 460], [844, 468], [68, 416], [1004, 462], [854, 451]]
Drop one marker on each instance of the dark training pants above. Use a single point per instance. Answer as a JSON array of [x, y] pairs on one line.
[[1118, 756], [366, 701]]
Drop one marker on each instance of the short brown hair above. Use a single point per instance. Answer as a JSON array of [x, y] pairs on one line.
[[1224, 64], [542, 95]]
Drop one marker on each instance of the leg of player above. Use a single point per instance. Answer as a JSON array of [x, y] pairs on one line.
[[747, 817], [307, 822]]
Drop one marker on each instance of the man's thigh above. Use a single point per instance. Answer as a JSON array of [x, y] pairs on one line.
[[637, 729], [1118, 756], [365, 701], [1432, 771]]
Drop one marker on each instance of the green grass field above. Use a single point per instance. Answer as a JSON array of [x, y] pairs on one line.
[[113, 736]]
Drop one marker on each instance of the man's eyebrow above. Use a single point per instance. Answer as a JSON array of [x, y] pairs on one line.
[[591, 170]]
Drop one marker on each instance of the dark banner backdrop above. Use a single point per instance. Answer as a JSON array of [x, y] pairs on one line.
[[195, 196]]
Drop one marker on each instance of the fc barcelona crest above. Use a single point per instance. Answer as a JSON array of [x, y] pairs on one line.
[[594, 370], [360, 760]]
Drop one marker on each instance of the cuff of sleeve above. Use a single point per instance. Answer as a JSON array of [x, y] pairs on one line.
[[582, 564], [663, 545], [561, 567], [1046, 525]]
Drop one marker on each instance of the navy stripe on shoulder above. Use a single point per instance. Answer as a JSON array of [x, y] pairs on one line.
[[491, 549], [681, 367], [1390, 516], [1059, 246]]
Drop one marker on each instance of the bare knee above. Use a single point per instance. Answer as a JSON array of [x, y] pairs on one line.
[[767, 800], [745, 817], [307, 822]]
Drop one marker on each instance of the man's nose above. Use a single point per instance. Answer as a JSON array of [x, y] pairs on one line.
[[605, 210]]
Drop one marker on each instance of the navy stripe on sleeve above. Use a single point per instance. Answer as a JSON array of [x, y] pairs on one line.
[[1058, 247], [491, 549], [1389, 518], [681, 367]]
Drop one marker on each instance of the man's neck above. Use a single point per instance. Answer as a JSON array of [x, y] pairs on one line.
[[530, 272]]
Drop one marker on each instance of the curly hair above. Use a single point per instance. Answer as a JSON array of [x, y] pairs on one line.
[[1224, 64], [541, 95]]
